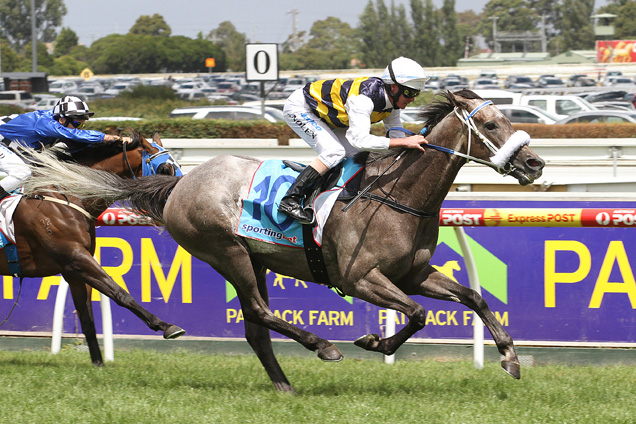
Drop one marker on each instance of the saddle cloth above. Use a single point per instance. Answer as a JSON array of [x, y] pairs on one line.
[[7, 209], [260, 219]]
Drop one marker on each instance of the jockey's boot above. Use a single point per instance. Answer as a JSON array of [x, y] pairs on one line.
[[291, 203]]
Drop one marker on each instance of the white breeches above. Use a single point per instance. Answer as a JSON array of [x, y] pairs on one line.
[[330, 143], [11, 164]]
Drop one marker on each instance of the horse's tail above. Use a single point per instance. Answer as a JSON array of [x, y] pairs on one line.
[[146, 195]]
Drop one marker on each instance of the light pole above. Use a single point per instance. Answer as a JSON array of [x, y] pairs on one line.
[[494, 33]]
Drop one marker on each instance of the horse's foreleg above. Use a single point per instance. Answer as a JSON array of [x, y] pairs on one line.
[[84, 307], [261, 342], [377, 289], [438, 286], [85, 269]]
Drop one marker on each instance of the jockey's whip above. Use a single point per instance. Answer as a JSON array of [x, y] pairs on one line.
[[367, 188]]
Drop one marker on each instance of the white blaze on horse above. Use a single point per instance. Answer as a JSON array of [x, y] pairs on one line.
[[362, 258]]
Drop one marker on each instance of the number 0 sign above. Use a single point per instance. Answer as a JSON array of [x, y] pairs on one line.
[[261, 62]]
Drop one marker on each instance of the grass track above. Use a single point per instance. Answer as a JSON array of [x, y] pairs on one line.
[[183, 387]]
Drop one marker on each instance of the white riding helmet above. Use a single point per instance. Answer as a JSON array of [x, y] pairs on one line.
[[72, 106], [406, 72]]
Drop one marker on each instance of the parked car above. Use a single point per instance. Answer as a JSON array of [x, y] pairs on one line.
[[117, 88], [600, 116], [563, 105], [519, 114], [580, 80], [233, 113], [518, 82], [62, 86], [453, 83], [432, 83], [618, 80], [46, 103], [485, 84], [548, 81], [22, 99]]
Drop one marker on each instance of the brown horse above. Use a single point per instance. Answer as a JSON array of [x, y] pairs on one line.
[[55, 234], [362, 257]]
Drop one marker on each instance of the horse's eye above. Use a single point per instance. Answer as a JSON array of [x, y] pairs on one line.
[[491, 126]]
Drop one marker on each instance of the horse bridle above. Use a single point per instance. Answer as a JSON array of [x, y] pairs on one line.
[[150, 164], [500, 161]]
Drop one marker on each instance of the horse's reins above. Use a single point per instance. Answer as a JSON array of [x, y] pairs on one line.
[[497, 162]]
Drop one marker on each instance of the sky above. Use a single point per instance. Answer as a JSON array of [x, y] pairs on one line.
[[263, 21]]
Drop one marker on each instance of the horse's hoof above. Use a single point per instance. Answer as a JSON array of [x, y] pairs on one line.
[[330, 354], [173, 332], [366, 342], [512, 368]]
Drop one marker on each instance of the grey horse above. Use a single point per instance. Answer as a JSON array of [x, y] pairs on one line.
[[362, 258]]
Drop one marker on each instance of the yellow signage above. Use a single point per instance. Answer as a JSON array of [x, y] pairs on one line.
[[86, 74], [209, 62]]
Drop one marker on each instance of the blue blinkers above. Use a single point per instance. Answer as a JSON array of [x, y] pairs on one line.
[[163, 157]]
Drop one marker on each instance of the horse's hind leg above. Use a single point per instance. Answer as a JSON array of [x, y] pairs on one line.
[[438, 286], [85, 269], [81, 299], [260, 340]]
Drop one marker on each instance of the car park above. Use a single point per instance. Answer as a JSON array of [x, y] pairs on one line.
[[600, 116], [485, 84], [232, 113], [46, 103], [618, 80], [23, 99], [550, 81], [580, 80], [518, 82], [563, 105], [62, 86], [117, 88], [432, 83], [520, 114]]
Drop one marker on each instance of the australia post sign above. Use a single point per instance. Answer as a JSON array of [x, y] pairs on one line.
[[572, 283]]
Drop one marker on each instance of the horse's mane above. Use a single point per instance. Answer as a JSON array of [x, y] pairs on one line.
[[78, 152]]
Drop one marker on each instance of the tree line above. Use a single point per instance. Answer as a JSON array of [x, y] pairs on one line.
[[432, 36]]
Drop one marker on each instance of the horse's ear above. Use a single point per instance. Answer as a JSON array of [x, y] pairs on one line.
[[156, 138]]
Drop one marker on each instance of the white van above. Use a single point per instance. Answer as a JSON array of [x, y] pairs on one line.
[[562, 105], [23, 99], [559, 105]]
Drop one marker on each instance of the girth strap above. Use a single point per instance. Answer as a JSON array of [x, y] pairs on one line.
[[315, 260]]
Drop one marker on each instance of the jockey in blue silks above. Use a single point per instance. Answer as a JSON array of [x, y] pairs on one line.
[[42, 128]]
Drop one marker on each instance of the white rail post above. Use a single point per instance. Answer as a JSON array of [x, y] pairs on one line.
[[58, 322], [391, 316], [473, 277]]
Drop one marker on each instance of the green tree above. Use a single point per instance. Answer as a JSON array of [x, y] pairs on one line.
[[11, 60], [66, 65], [576, 29], [467, 23], [15, 20], [65, 41], [232, 43], [625, 23], [151, 25], [377, 45], [426, 49], [453, 46], [510, 15], [333, 44]]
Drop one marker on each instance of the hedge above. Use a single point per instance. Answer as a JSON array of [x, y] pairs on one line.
[[204, 128]]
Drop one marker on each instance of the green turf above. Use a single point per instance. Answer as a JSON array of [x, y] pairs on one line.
[[189, 386]]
